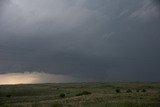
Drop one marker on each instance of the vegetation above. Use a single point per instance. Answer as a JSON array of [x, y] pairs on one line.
[[81, 95], [8, 96], [118, 90], [129, 91], [143, 90], [137, 90], [62, 95]]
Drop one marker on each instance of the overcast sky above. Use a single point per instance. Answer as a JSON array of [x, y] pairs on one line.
[[99, 40]]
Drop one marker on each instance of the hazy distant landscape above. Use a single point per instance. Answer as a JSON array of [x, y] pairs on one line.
[[81, 95]]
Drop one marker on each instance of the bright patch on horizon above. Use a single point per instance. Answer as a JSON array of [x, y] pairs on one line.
[[35, 77]]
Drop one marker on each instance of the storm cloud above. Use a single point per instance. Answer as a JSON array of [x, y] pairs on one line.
[[101, 40]]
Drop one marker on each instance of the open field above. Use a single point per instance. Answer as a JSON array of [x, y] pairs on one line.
[[81, 95]]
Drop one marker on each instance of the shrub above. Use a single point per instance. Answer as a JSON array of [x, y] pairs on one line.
[[118, 90], [137, 90], [143, 90], [8, 96], [129, 91], [57, 105], [83, 93], [62, 95]]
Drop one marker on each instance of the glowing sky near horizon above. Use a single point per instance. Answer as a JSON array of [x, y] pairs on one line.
[[34, 77]]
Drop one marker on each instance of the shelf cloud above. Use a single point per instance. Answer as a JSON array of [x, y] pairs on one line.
[[107, 40]]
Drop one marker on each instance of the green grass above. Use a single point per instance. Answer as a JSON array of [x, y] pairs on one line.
[[100, 95]]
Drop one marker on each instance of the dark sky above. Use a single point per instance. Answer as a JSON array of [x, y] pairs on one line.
[[101, 40]]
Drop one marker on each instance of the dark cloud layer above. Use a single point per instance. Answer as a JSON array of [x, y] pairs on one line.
[[100, 40], [3, 3]]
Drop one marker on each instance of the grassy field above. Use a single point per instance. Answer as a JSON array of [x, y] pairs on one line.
[[81, 95]]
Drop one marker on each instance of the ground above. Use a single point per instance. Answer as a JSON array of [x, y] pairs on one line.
[[81, 95]]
